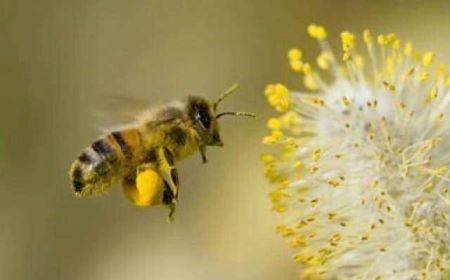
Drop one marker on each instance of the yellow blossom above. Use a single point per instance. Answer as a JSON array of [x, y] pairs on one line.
[[361, 169]]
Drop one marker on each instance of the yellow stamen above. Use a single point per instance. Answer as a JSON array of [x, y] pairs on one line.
[[296, 65], [317, 32], [295, 54], [428, 59], [348, 44], [274, 124], [368, 38], [310, 83], [408, 49], [324, 60]]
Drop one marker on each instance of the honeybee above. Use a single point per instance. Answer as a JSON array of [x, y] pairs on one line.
[[143, 155]]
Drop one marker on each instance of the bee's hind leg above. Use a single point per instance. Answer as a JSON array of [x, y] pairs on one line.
[[145, 187], [166, 168], [150, 188]]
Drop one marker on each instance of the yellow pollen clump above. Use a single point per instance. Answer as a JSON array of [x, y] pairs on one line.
[[273, 138], [278, 96], [428, 58], [267, 158], [392, 40], [291, 142], [296, 65], [274, 124], [285, 230], [317, 32], [289, 119], [382, 40], [295, 54]]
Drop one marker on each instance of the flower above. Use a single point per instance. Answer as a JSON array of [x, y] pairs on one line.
[[361, 168]]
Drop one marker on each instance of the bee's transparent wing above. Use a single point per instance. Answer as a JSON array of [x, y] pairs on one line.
[[112, 112]]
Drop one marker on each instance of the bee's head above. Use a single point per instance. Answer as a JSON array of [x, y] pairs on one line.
[[204, 116]]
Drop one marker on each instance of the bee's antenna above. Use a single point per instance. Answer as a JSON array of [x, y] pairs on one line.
[[227, 93], [243, 114]]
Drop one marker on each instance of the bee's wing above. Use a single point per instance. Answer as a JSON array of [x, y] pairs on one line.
[[115, 111], [171, 112]]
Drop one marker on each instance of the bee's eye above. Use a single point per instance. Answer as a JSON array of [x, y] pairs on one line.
[[203, 118]]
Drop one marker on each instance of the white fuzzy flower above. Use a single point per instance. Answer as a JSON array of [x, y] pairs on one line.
[[362, 175]]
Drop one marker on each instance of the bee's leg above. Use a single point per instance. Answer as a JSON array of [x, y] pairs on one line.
[[169, 172], [203, 154], [162, 160], [168, 201], [145, 187], [202, 148]]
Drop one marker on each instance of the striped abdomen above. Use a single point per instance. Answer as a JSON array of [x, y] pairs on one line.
[[105, 162]]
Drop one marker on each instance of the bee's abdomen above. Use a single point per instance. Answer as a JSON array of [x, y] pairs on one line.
[[103, 163]]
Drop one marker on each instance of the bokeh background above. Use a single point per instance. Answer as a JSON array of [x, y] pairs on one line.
[[60, 58]]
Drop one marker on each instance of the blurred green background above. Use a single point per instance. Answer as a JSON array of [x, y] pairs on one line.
[[60, 58]]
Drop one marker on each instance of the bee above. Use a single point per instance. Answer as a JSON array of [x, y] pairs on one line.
[[142, 157]]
